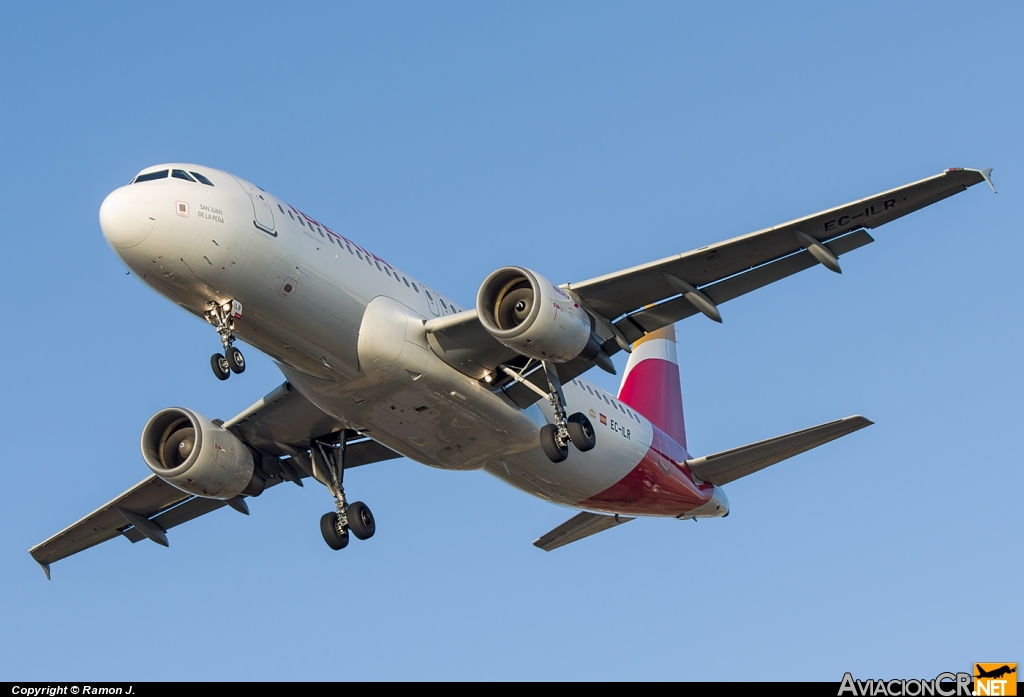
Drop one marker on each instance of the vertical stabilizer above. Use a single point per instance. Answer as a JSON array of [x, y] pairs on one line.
[[651, 382]]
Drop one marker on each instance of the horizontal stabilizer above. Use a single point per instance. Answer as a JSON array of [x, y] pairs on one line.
[[724, 467], [576, 528]]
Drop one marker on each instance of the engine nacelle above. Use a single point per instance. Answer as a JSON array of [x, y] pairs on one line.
[[193, 454], [532, 316]]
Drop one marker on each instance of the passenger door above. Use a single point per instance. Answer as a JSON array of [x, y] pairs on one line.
[[262, 212]]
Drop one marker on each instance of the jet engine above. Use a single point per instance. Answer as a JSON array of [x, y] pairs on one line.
[[193, 454], [534, 317]]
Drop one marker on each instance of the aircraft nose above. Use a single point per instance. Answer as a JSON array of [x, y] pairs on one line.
[[128, 215]]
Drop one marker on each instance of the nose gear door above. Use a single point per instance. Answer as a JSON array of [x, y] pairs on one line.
[[262, 212]]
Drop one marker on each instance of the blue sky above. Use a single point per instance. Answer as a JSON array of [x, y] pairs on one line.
[[575, 139]]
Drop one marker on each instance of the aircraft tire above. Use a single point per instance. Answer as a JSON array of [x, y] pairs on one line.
[[220, 366], [329, 529], [236, 361], [360, 521], [550, 446], [581, 432]]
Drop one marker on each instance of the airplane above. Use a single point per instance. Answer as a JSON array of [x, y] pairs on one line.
[[378, 365], [996, 672]]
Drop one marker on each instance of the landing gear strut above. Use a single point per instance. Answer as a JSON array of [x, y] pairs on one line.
[[575, 429], [355, 518], [223, 318]]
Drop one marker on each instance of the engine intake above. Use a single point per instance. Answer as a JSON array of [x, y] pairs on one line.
[[193, 454], [532, 316]]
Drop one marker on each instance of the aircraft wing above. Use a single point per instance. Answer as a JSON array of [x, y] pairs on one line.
[[282, 423], [628, 304], [642, 299]]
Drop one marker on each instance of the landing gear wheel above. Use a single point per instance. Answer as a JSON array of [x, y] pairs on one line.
[[581, 432], [549, 442], [235, 360], [220, 366], [329, 529], [360, 521]]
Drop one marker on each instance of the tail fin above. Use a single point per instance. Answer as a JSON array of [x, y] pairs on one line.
[[651, 382]]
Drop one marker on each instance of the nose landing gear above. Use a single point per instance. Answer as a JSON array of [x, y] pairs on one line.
[[223, 318], [355, 518]]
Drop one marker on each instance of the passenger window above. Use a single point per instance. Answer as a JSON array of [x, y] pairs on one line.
[[358, 254], [290, 213], [201, 178], [415, 288], [387, 272], [181, 174], [378, 265], [280, 209], [300, 222], [406, 280], [321, 234], [348, 248], [150, 176]]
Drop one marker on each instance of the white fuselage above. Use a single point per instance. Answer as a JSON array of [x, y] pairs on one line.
[[347, 330]]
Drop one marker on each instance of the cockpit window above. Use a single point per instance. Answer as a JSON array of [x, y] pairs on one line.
[[150, 176], [201, 178], [181, 174]]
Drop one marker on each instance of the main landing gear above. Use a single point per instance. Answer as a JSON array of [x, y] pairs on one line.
[[356, 517], [575, 429], [223, 318]]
